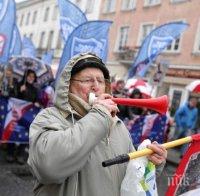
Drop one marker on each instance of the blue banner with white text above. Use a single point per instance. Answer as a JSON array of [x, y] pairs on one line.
[[7, 21], [70, 17], [154, 44], [91, 37]]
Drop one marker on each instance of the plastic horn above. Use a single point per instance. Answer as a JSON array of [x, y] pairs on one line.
[[146, 151], [159, 104]]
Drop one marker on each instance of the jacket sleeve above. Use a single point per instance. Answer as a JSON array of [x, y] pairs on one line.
[[178, 115], [194, 122], [56, 153]]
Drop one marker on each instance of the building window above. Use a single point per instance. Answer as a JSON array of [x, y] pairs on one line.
[[178, 1], [78, 3], [46, 14], [196, 49], [27, 19], [50, 40], [34, 17], [55, 12], [21, 20], [89, 6], [145, 30], [31, 36], [199, 44], [59, 42], [42, 36], [123, 38], [174, 46], [176, 100], [151, 2], [109, 6], [128, 4]]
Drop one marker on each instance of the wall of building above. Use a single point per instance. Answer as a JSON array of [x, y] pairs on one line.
[[186, 58], [51, 24]]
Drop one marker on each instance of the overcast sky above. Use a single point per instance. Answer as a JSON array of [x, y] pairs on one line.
[[17, 1]]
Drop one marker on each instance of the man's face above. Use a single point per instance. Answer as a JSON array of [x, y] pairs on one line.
[[86, 81]]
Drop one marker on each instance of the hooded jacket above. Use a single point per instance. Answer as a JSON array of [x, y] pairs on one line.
[[69, 141]]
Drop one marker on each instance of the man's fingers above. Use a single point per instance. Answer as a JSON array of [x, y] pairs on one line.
[[157, 160], [104, 96], [158, 149]]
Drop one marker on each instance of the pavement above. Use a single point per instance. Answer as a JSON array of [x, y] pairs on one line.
[[163, 181], [17, 180]]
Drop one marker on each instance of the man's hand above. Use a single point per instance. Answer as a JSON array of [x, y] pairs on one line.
[[106, 101], [160, 154]]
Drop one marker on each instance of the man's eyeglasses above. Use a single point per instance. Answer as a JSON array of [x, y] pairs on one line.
[[91, 81]]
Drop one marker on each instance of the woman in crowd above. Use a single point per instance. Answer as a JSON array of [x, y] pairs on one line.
[[7, 82], [26, 88]]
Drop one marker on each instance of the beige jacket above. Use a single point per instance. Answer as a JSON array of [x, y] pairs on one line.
[[68, 143]]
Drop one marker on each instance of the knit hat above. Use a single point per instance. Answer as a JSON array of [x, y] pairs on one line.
[[90, 62]]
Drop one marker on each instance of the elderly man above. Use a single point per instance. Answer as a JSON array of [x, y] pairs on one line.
[[69, 141]]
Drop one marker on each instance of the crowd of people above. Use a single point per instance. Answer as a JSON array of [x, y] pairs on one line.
[[184, 121], [69, 140], [25, 89]]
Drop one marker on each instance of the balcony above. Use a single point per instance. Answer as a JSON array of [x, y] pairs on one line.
[[125, 54]]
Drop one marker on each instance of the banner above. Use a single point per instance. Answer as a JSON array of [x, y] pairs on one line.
[[28, 49], [15, 118], [48, 57], [154, 44], [16, 44], [7, 20], [151, 127], [70, 17], [91, 37]]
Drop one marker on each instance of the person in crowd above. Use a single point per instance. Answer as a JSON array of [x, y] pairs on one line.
[[119, 91], [26, 89], [186, 119], [69, 141], [7, 82], [46, 95], [135, 111]]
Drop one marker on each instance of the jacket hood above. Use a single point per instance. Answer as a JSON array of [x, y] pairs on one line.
[[62, 97]]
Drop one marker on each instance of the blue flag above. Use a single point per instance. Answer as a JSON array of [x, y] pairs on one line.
[[70, 17], [16, 44], [28, 49], [7, 20], [154, 44], [91, 36], [48, 57]]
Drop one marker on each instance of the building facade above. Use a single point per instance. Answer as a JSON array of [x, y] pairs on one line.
[[134, 19], [39, 20]]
